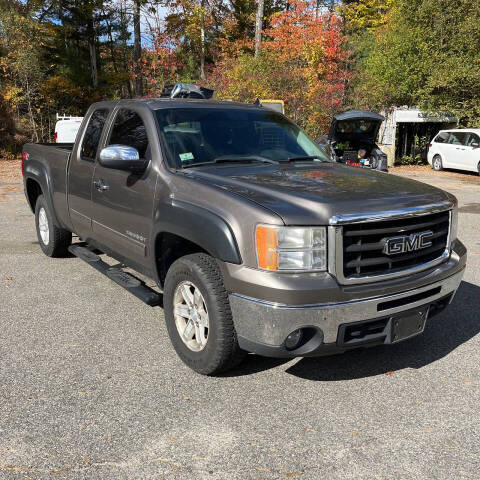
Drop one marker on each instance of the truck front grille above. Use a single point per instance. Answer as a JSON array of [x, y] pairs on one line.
[[363, 245]]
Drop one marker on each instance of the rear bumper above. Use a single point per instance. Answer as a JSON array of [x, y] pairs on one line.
[[263, 326], [430, 156]]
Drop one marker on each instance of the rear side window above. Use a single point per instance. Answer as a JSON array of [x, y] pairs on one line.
[[472, 139], [92, 135], [129, 129], [442, 137], [458, 138]]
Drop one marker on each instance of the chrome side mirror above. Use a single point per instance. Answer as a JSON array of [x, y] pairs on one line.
[[122, 157], [475, 144]]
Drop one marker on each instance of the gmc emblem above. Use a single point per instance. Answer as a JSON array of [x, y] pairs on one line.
[[407, 243]]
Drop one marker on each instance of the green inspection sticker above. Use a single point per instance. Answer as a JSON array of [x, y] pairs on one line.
[[186, 156]]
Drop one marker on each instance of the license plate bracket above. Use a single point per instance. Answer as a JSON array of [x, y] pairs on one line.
[[408, 324]]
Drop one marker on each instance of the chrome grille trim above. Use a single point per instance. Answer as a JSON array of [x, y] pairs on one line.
[[391, 214], [335, 240]]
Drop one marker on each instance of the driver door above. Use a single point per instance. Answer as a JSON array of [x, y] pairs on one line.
[[122, 200]]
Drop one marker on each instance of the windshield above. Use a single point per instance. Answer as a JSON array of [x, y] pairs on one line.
[[198, 135]]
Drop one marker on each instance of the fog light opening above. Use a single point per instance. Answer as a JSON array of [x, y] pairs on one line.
[[293, 340]]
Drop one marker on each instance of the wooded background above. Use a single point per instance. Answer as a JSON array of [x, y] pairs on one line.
[[321, 56]]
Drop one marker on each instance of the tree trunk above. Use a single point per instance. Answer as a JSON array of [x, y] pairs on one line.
[[137, 48], [30, 112], [259, 26], [111, 42], [92, 48], [124, 60], [93, 62], [202, 40]]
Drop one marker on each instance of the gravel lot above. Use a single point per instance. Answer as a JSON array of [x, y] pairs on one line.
[[90, 387]]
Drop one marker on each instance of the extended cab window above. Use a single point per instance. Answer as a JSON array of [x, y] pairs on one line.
[[129, 129], [93, 133]]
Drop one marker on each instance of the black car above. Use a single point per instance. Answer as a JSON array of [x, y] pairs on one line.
[[352, 140]]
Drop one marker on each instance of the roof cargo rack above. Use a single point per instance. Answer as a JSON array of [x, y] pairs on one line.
[[68, 117], [186, 90]]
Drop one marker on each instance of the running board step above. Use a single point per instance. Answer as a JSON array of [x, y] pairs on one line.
[[133, 284]]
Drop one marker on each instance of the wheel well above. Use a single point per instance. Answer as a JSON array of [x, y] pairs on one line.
[[33, 192], [170, 247]]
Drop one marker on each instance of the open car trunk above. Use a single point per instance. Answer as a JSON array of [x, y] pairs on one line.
[[352, 139]]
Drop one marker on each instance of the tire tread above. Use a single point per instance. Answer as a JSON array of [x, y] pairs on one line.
[[227, 354], [60, 239]]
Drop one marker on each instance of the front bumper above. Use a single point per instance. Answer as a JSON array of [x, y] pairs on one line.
[[263, 326]]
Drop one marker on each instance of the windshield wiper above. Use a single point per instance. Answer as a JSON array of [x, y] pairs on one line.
[[232, 159], [313, 158]]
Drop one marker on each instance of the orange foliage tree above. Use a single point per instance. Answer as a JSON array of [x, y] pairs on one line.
[[160, 63], [302, 61]]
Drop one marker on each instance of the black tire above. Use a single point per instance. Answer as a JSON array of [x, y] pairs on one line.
[[478, 168], [437, 164], [221, 351], [59, 239]]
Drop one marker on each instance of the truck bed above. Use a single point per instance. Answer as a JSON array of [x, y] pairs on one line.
[[64, 146], [50, 161]]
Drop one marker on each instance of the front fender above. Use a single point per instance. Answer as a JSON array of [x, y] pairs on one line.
[[200, 226]]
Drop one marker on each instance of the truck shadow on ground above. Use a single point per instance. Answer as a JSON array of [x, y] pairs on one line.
[[444, 333]]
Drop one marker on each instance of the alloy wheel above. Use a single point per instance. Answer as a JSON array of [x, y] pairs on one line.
[[191, 316], [43, 226]]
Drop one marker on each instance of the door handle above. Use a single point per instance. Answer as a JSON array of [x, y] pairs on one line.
[[100, 186]]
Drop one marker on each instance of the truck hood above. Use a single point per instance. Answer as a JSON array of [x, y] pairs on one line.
[[312, 194]]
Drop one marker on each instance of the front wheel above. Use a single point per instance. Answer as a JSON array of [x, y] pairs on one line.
[[437, 163], [54, 241], [198, 315]]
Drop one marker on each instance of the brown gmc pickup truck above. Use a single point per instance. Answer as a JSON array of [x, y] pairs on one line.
[[257, 242]]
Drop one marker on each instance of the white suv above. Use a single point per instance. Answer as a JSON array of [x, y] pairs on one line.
[[458, 149]]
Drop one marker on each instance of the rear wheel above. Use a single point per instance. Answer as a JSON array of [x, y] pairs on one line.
[[437, 163], [478, 168], [198, 315], [54, 241]]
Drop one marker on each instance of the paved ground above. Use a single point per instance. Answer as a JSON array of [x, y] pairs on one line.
[[90, 387]]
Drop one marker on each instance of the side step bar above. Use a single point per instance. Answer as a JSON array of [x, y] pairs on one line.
[[119, 276]]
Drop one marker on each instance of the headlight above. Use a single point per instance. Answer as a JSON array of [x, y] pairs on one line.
[[291, 248]]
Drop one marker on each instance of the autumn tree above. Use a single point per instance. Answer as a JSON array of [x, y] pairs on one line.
[[301, 61], [160, 64], [21, 73]]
